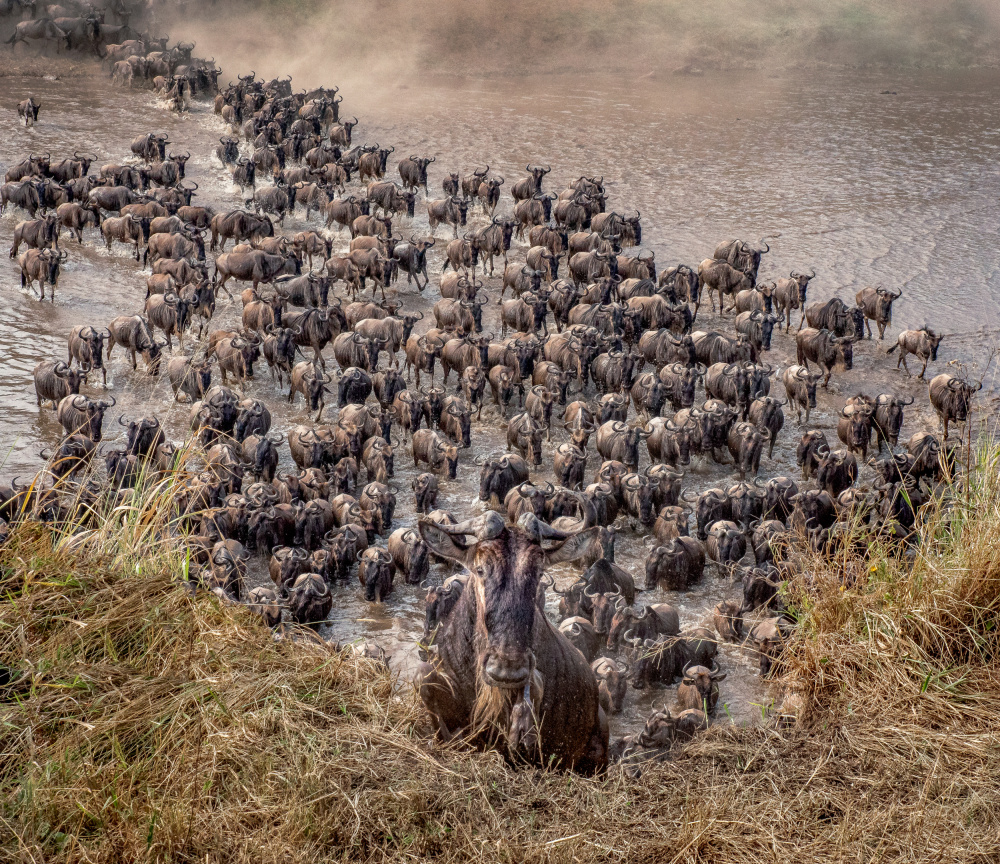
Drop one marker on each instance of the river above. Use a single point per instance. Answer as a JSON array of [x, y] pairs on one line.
[[868, 178]]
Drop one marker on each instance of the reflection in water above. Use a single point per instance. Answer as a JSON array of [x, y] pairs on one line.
[[865, 188]]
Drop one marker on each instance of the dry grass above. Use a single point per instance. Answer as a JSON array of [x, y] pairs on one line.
[[150, 724]]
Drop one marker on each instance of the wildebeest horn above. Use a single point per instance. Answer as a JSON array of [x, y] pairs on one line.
[[489, 526]]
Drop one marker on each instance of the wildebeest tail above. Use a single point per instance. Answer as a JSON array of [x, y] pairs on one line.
[[893, 348]]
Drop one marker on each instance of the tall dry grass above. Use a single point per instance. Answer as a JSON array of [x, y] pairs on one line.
[[141, 721]]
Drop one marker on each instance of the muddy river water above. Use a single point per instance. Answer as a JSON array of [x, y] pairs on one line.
[[864, 186]]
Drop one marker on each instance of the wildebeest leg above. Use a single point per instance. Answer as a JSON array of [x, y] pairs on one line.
[[925, 366]]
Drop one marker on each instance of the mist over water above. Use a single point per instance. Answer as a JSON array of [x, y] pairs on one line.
[[383, 42]]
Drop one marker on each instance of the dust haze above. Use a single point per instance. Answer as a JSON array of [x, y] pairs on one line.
[[381, 43]]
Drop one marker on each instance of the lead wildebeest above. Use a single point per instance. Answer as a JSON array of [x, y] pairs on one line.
[[950, 397], [523, 682], [28, 109]]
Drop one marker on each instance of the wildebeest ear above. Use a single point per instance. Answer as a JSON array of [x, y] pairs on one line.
[[575, 547], [443, 544]]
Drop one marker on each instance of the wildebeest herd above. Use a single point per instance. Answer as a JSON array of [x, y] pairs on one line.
[[609, 352]]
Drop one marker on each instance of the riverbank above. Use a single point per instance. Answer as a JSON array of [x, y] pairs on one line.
[[141, 722]]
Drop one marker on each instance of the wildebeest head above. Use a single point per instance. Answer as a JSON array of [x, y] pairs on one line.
[[537, 173], [506, 563], [143, 436], [546, 202], [421, 164], [640, 491], [802, 280]]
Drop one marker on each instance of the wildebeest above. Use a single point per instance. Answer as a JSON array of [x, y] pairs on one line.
[[533, 211], [766, 414], [619, 442], [824, 349], [41, 266], [28, 110], [23, 194], [854, 427], [54, 381], [877, 306], [888, 418], [790, 294], [255, 267], [38, 29], [169, 313], [746, 444], [37, 234], [239, 225], [78, 413], [412, 259], [75, 217], [450, 211], [718, 276], [390, 199], [432, 447], [800, 387], [742, 256], [413, 172], [525, 434], [86, 347], [150, 147], [524, 681], [837, 317], [529, 186], [950, 396], [923, 343], [807, 453], [125, 229]]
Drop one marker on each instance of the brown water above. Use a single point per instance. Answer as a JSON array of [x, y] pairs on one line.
[[864, 187]]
